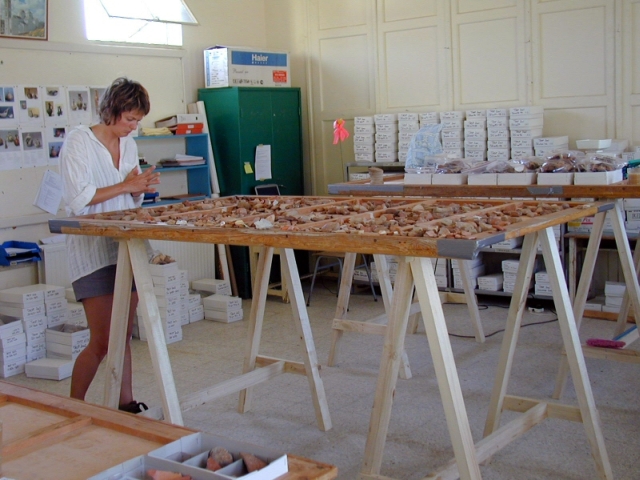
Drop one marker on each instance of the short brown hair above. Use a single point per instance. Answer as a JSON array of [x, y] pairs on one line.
[[123, 95]]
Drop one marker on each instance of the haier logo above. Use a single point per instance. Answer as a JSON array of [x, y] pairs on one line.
[[239, 57], [258, 58]]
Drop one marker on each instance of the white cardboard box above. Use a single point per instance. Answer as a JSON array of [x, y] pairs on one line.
[[57, 318], [196, 313], [29, 294], [222, 302], [492, 282], [483, 179], [29, 311], [10, 326], [50, 368], [449, 179], [224, 317], [75, 337], [242, 67], [9, 343], [526, 178], [555, 178], [196, 447], [417, 178], [163, 270], [18, 353], [614, 288], [11, 368], [55, 305], [212, 285], [597, 178]]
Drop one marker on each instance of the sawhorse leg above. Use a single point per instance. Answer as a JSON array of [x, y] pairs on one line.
[[301, 322], [588, 414], [444, 364], [132, 258], [340, 323]]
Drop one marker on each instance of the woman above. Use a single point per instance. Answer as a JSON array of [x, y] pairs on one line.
[[100, 173]]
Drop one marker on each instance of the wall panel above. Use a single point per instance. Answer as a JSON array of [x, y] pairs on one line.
[[489, 54], [577, 123], [394, 10], [411, 78], [488, 61], [339, 14]]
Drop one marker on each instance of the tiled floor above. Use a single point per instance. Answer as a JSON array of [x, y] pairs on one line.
[[283, 417]]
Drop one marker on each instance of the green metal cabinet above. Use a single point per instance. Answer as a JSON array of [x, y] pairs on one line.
[[240, 119]]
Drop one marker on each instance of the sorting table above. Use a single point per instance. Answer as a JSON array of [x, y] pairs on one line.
[[450, 228]]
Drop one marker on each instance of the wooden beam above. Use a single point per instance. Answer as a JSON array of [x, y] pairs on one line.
[[233, 385], [289, 367], [499, 439], [554, 410]]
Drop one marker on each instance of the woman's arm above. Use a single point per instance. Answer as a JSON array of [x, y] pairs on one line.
[[135, 183]]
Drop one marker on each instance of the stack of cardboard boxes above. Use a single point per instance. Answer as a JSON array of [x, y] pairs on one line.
[[219, 305]]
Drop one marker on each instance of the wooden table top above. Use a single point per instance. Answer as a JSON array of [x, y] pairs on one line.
[[44, 433], [451, 228], [394, 186]]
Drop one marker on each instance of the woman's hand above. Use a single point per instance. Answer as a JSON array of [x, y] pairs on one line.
[[137, 183]]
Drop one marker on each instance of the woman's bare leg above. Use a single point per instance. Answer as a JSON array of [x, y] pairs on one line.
[[98, 312]]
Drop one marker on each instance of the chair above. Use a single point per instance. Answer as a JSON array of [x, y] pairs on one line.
[[338, 262]]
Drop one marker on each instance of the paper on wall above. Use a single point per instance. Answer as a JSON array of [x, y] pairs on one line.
[[263, 162], [50, 192]]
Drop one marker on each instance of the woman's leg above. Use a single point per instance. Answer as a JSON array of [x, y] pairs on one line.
[[98, 313]]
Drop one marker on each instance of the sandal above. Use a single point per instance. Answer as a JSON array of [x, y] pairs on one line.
[[133, 407]]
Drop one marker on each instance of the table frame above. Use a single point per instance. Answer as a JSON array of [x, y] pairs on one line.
[[413, 270]]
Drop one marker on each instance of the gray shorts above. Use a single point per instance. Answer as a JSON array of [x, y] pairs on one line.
[[101, 282]]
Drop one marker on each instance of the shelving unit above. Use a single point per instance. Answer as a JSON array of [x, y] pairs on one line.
[[198, 177]]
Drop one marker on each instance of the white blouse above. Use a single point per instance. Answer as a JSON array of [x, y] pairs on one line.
[[85, 166]]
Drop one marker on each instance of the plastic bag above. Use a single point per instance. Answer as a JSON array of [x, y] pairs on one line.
[[597, 162], [425, 150], [562, 161]]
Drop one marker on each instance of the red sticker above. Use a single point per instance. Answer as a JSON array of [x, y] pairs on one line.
[[279, 76]]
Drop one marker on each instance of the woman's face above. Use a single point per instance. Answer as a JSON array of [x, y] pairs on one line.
[[127, 123]]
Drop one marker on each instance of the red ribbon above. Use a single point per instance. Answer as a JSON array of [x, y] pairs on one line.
[[340, 133]]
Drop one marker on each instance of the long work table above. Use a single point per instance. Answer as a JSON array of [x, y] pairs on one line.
[[415, 229]]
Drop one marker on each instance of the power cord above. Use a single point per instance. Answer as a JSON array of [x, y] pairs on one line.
[[486, 307]]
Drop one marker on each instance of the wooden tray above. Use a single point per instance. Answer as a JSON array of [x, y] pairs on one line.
[[340, 231], [44, 433]]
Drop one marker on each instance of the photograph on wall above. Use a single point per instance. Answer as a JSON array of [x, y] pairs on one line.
[[79, 106], [10, 149], [95, 94], [23, 19], [30, 106], [55, 105], [8, 105], [33, 148], [55, 138]]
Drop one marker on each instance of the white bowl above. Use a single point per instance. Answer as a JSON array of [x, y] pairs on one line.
[[593, 144]]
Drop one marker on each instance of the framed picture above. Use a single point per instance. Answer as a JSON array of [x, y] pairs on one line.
[[24, 19]]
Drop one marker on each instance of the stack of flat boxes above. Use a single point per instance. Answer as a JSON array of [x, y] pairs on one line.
[[13, 344], [218, 303], [36, 306], [475, 135], [408, 125], [510, 272], [613, 294], [222, 308], [525, 124], [171, 288], [364, 131], [476, 269], [632, 215], [440, 268], [392, 263], [452, 133], [543, 146], [542, 285], [498, 135], [491, 283], [386, 136]]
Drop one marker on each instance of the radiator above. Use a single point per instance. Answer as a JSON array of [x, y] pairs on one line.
[[198, 259]]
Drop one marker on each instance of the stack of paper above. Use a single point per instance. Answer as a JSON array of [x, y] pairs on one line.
[[181, 160]]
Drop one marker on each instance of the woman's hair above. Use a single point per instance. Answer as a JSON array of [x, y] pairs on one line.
[[123, 95]]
